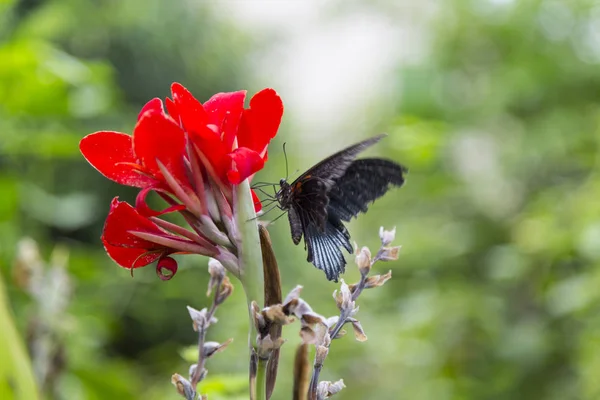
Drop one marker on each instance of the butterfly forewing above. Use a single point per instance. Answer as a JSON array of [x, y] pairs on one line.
[[335, 165]]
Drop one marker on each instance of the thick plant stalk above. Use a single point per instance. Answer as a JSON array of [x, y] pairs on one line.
[[16, 374], [251, 271], [272, 296]]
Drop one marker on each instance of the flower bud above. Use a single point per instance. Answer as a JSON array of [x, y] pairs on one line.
[[387, 237], [225, 291], [363, 260], [327, 389], [389, 253], [321, 354], [210, 348], [343, 298], [183, 386], [217, 273], [166, 268]]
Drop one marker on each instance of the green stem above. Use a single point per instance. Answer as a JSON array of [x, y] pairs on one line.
[[16, 374], [250, 258], [261, 379]]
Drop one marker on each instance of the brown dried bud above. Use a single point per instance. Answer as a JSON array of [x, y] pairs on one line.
[[363, 260], [387, 237], [321, 354], [378, 280], [343, 298], [211, 348], [359, 333], [267, 344], [225, 290], [327, 389], [200, 318], [292, 295], [257, 316], [276, 315], [308, 335], [183, 386], [217, 273], [389, 253]]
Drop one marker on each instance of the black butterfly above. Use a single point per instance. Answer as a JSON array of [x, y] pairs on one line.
[[335, 190]]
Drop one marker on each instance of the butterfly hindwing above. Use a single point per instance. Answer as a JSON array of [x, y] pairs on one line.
[[363, 182], [324, 247]]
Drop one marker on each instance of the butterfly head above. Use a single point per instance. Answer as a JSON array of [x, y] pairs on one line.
[[284, 194]]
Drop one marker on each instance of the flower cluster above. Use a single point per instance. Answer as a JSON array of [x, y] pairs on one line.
[[192, 155]]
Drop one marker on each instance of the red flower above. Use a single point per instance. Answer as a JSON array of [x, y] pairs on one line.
[[191, 156]]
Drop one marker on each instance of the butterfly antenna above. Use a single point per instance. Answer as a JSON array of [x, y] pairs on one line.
[[286, 162]]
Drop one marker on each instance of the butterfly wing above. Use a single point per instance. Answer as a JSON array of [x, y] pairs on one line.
[[335, 166], [308, 206], [364, 181], [324, 247]]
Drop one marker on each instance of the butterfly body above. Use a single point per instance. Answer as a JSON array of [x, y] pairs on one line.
[[335, 190]]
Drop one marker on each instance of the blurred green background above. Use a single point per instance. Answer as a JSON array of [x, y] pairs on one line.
[[493, 105]]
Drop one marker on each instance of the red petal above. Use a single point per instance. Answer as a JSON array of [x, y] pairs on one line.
[[260, 122], [123, 218], [256, 200], [172, 110], [142, 207], [214, 150], [154, 104], [192, 114], [166, 268], [111, 153], [158, 137], [130, 257], [245, 162], [225, 110]]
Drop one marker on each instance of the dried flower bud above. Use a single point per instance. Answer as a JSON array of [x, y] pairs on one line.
[[322, 337], [276, 315], [200, 318], [387, 237], [311, 318], [389, 253], [211, 348], [225, 290], [266, 345], [217, 273], [192, 372], [321, 354], [183, 386], [343, 298], [292, 295], [297, 307], [363, 260], [327, 389], [259, 320], [377, 280], [359, 333]]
